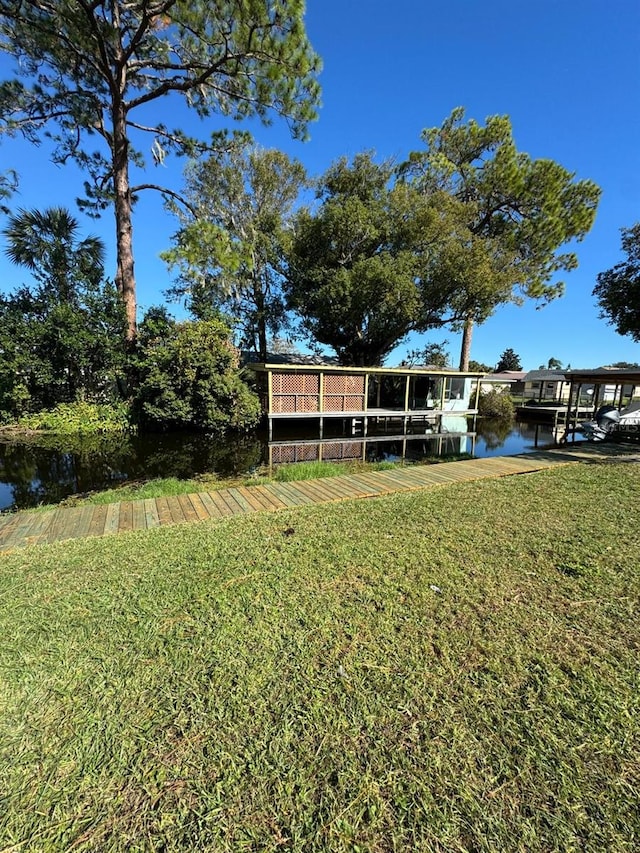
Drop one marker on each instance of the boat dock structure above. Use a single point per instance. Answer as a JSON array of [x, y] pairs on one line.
[[360, 400], [618, 388]]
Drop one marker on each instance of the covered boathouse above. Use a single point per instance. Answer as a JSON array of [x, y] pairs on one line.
[[366, 396], [619, 387]]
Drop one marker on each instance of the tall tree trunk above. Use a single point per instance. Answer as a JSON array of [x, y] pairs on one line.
[[465, 350], [261, 318], [125, 278]]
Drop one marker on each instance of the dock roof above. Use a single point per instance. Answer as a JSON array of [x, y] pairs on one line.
[[385, 371], [606, 376]]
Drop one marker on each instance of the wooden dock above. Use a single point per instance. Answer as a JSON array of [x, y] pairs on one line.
[[35, 528]]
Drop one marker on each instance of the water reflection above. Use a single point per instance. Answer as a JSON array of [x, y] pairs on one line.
[[54, 468], [506, 438], [410, 447], [32, 474]]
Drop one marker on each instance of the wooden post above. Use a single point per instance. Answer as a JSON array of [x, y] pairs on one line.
[[477, 395], [569, 420], [270, 406], [406, 394], [366, 392], [321, 391]]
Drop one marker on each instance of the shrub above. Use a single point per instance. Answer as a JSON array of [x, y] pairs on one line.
[[189, 379], [496, 404], [80, 418]]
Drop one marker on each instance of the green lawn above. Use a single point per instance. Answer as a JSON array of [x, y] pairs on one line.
[[449, 670]]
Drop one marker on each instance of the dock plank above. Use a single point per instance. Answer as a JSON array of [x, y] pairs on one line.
[[98, 520], [320, 492], [139, 516], [235, 505], [209, 503], [164, 513], [40, 532], [151, 513], [336, 487], [125, 522], [266, 494], [240, 499], [175, 510], [188, 510], [224, 508], [56, 528], [295, 495], [199, 508], [112, 520], [29, 532], [250, 497]]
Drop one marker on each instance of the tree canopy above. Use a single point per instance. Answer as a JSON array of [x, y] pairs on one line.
[[45, 243], [513, 214], [91, 72], [552, 364], [229, 250], [618, 289], [434, 354], [509, 360], [61, 340], [356, 265]]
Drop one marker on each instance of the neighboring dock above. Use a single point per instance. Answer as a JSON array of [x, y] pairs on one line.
[[553, 413], [29, 528]]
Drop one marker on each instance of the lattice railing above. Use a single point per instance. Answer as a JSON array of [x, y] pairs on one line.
[[343, 392], [295, 392], [300, 392], [342, 450], [295, 453]]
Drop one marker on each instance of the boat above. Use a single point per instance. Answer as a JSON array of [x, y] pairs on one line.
[[611, 423]]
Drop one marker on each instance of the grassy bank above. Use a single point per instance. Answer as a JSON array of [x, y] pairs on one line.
[[450, 670], [169, 486]]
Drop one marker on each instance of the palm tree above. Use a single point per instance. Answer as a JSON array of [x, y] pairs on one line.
[[45, 242]]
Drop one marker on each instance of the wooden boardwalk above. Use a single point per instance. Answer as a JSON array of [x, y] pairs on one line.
[[29, 528]]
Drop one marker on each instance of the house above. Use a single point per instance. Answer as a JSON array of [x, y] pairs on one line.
[[549, 386], [509, 381]]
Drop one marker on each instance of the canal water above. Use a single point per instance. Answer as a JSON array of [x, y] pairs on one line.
[[32, 474]]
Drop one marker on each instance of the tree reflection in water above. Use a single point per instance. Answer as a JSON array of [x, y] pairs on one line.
[[495, 431], [53, 468]]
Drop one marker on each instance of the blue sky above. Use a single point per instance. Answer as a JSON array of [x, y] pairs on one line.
[[567, 73]]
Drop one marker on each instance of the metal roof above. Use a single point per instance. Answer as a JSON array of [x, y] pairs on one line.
[[606, 376], [390, 371], [546, 376]]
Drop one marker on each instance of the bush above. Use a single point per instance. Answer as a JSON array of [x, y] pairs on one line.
[[496, 404], [80, 419], [189, 379]]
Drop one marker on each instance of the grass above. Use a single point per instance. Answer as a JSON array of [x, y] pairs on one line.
[[168, 486], [449, 670]]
